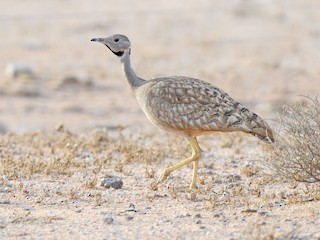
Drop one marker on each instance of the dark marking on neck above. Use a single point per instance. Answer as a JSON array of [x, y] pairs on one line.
[[119, 54]]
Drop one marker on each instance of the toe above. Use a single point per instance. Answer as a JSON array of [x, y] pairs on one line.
[[163, 176]]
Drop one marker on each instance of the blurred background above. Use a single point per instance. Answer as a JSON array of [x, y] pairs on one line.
[[262, 52]]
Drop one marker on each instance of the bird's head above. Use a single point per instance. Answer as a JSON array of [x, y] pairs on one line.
[[118, 44]]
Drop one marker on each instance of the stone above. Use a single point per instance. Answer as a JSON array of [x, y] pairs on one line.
[[3, 128], [15, 70], [113, 182], [108, 219]]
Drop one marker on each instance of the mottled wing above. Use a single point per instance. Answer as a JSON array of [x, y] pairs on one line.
[[195, 106]]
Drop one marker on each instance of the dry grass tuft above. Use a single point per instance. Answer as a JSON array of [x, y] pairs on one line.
[[65, 153], [249, 171], [261, 232], [296, 152], [58, 154]]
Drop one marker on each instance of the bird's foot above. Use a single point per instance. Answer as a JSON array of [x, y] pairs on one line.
[[192, 187], [164, 175]]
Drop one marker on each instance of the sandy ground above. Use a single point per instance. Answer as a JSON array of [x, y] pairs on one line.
[[263, 53]]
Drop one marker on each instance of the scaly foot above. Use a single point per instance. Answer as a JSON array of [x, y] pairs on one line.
[[192, 187], [164, 175]]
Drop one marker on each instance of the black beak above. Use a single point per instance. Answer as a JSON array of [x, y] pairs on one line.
[[96, 39]]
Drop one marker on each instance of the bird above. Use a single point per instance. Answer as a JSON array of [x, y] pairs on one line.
[[186, 106]]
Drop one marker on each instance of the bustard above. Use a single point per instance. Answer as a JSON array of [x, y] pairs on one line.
[[186, 106]]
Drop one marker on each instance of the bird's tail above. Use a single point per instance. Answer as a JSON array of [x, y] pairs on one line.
[[263, 132], [265, 135]]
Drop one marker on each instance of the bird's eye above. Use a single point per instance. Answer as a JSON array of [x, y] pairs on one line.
[[116, 39]]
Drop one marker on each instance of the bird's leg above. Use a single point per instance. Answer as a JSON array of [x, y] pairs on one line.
[[193, 183], [196, 154]]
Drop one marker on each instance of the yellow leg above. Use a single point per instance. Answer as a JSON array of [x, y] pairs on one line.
[[196, 154], [194, 175]]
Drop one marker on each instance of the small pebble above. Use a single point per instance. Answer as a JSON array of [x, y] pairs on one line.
[[108, 219], [218, 213], [113, 182], [5, 189], [3, 128], [183, 215], [68, 81], [129, 217], [262, 212], [27, 208], [14, 70], [198, 222], [2, 224], [249, 210], [5, 178]]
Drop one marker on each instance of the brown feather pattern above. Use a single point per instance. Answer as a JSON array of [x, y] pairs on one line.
[[197, 107]]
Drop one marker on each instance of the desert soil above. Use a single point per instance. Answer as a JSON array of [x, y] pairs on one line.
[[68, 119]]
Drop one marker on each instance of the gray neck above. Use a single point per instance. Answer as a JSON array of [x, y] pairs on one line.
[[133, 80]]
